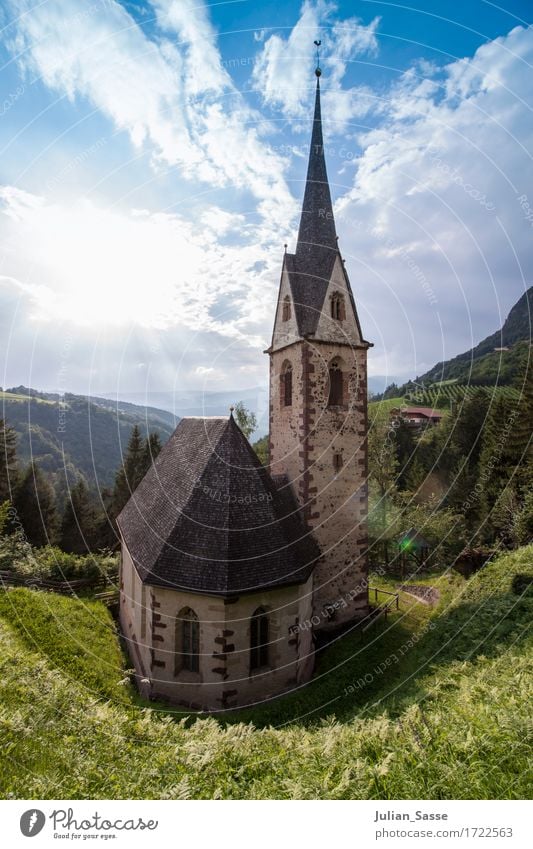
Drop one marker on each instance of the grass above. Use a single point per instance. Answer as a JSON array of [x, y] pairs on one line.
[[12, 396], [450, 719], [79, 638]]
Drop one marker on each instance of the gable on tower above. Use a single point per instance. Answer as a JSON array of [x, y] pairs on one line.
[[314, 275]]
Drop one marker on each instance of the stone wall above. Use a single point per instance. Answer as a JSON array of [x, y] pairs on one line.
[[303, 441], [224, 679]]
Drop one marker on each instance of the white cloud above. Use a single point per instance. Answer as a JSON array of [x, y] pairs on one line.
[[430, 218], [283, 71], [433, 223], [104, 268], [175, 98]]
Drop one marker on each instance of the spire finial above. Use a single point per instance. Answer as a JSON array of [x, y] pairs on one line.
[[317, 69]]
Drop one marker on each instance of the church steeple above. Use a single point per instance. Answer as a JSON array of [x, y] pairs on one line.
[[317, 224], [318, 397], [314, 275]]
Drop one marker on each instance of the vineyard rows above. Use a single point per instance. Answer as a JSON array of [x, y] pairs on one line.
[[445, 396]]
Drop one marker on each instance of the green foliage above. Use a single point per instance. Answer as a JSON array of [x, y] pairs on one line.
[[4, 508], [17, 556], [36, 507], [261, 449], [134, 466], [246, 420], [77, 637], [450, 720], [79, 523], [449, 395], [79, 437], [8, 461], [152, 447]]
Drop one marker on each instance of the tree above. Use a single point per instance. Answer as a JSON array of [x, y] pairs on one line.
[[246, 420], [36, 507], [500, 454], [78, 528], [522, 525], [8, 461], [383, 475], [130, 473], [405, 451], [152, 447], [468, 424], [261, 449], [4, 508]]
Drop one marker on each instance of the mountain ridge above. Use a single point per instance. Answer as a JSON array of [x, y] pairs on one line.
[[516, 329]]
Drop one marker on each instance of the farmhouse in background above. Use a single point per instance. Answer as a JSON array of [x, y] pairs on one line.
[[228, 568], [417, 418]]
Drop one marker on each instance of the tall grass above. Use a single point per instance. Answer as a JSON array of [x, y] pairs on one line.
[[460, 728]]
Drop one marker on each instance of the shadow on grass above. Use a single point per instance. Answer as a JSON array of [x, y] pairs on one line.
[[390, 666]]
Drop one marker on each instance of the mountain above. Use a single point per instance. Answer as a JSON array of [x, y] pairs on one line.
[[485, 364], [73, 436], [183, 403]]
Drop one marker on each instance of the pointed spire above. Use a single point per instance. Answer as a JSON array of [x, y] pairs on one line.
[[317, 225]]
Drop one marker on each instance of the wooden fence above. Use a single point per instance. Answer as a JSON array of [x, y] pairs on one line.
[[383, 609], [103, 588]]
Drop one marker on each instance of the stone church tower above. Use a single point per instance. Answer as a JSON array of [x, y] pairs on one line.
[[226, 566], [318, 399]]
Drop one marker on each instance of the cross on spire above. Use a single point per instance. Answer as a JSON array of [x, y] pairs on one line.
[[317, 69]]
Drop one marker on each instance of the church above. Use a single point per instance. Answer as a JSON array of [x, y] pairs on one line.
[[228, 568]]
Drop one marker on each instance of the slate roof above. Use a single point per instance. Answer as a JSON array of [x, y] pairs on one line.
[[311, 267], [317, 224], [207, 517]]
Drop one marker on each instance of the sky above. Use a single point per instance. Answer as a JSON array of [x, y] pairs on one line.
[[152, 159]]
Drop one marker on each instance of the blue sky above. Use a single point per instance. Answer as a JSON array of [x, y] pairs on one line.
[[151, 166]]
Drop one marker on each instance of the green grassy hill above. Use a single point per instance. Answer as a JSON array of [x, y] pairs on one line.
[[450, 718], [76, 436]]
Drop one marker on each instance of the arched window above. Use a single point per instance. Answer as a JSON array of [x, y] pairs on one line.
[[259, 639], [286, 312], [286, 385], [338, 311], [187, 641], [336, 385]]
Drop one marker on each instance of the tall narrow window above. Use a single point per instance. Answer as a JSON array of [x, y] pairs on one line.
[[187, 641], [259, 639], [286, 312], [336, 385], [337, 461], [338, 311], [286, 385]]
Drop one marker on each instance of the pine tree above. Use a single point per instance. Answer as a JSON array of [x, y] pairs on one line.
[[78, 528], [152, 447], [467, 427], [405, 452], [498, 459], [8, 461], [130, 473], [36, 507]]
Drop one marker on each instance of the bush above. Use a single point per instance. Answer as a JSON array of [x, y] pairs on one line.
[[60, 566], [18, 556]]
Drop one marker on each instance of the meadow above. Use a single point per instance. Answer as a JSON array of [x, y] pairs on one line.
[[450, 718]]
